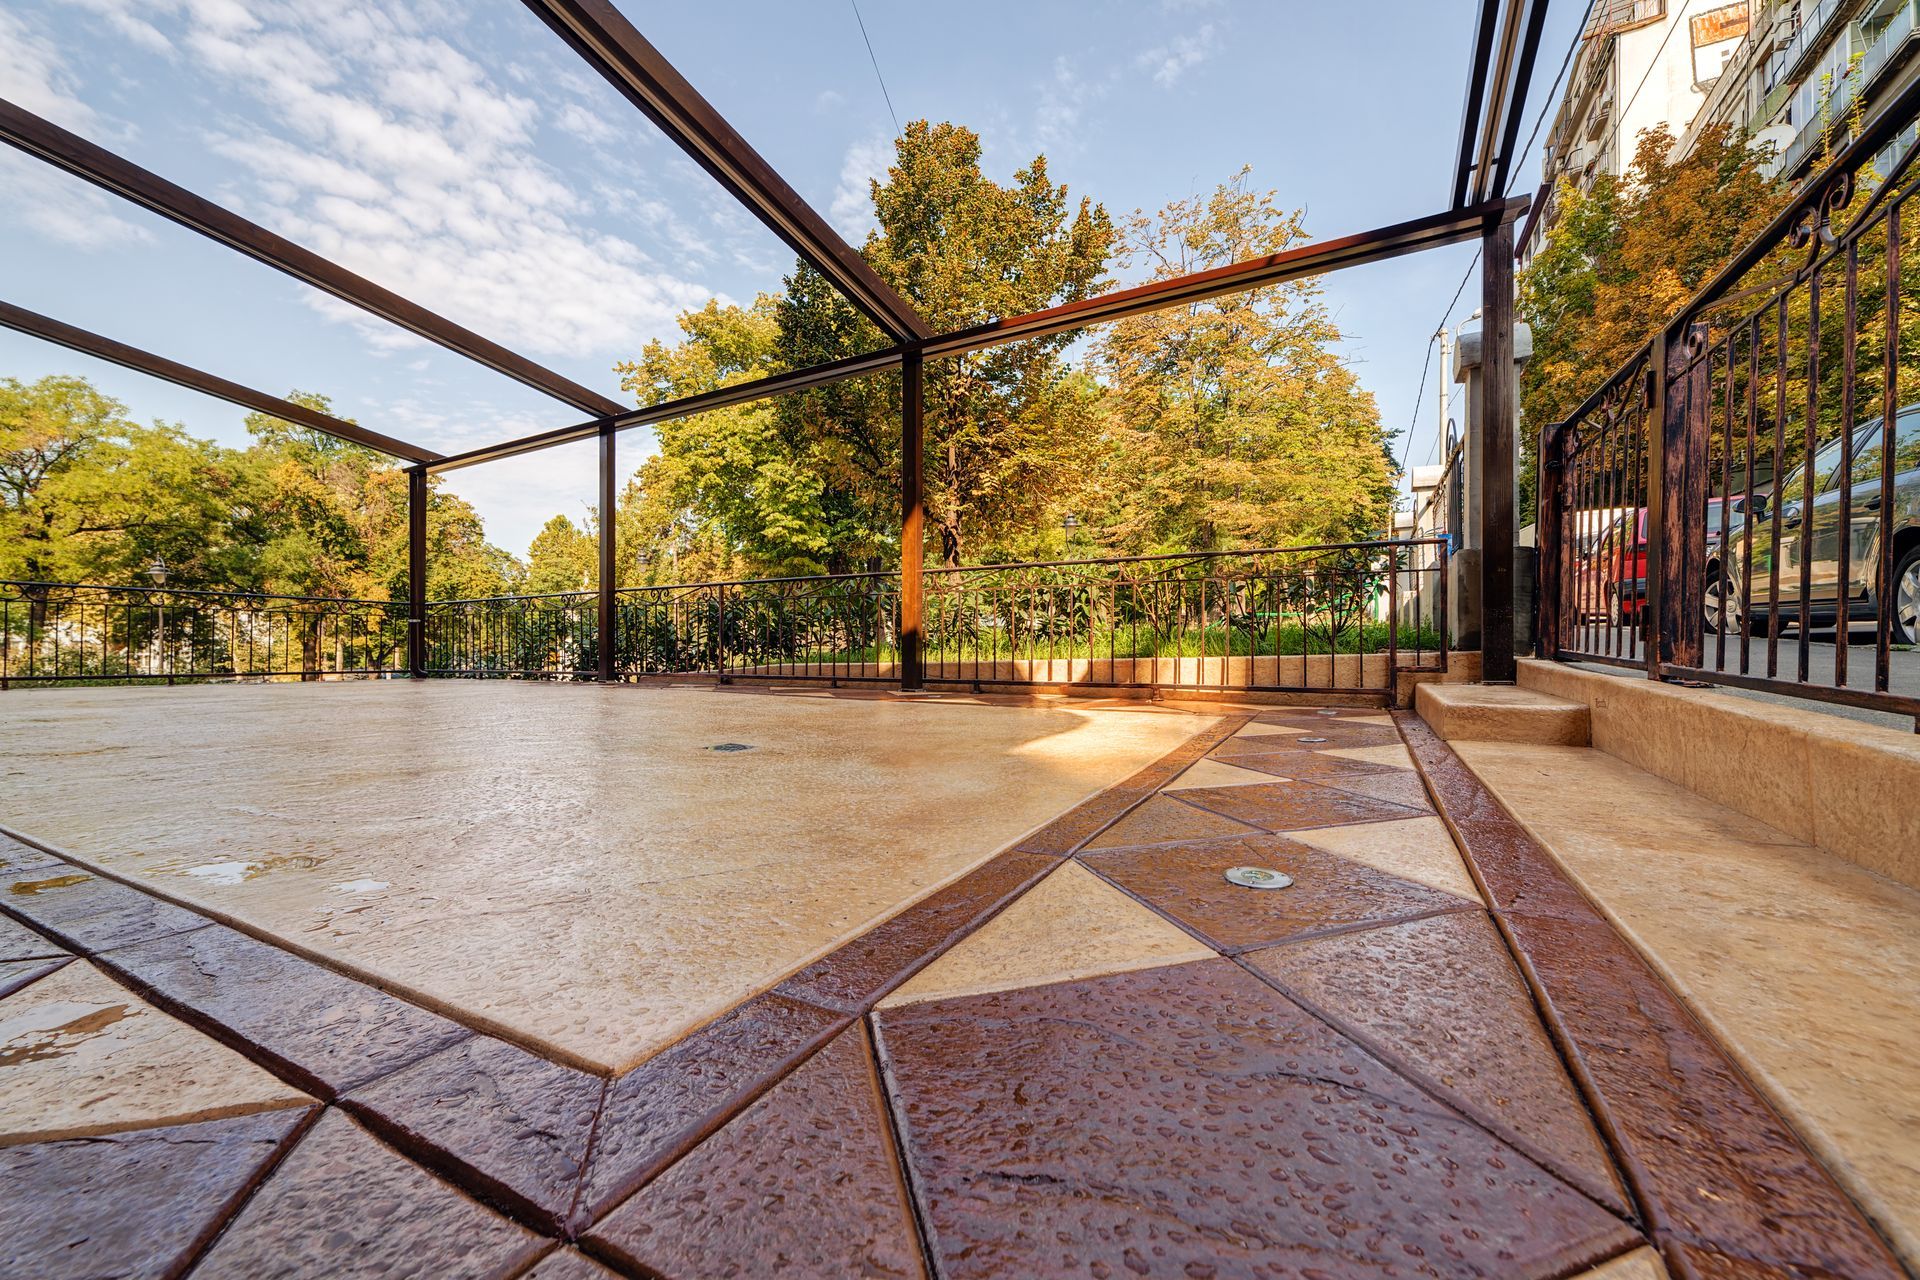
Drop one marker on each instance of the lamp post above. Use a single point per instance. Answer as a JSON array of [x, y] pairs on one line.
[[157, 570]]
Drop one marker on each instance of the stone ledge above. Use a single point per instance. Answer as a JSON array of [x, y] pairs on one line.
[[1844, 785], [1501, 713]]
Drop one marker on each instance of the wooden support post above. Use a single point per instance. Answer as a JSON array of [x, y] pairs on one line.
[[1677, 502], [417, 571], [913, 520], [604, 633], [1496, 428], [1551, 565]]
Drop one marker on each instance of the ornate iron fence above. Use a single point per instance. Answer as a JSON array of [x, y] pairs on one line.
[[1740, 503], [54, 632]]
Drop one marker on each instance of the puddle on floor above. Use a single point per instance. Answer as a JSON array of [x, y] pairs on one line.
[[238, 871], [27, 888]]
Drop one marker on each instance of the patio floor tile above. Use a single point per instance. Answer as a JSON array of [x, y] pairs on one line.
[[1401, 788], [1188, 882], [328, 1031], [1312, 766], [1163, 820], [1440, 997], [16, 974], [1312, 737], [1641, 1264], [1217, 773], [1291, 806], [1191, 1121], [569, 1264], [665, 1106], [133, 1206], [803, 1183], [88, 913], [496, 1118], [344, 1206], [1419, 849], [17, 942], [20, 861], [81, 1055], [1393, 754], [1071, 925]]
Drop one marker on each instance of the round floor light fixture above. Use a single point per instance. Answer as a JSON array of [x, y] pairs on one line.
[[1258, 878]]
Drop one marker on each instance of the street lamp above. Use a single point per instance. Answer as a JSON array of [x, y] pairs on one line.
[[1070, 522], [158, 572]]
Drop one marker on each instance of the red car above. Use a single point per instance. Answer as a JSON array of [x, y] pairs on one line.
[[1618, 563]]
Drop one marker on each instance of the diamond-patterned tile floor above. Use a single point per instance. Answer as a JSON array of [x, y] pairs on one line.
[[1091, 1055]]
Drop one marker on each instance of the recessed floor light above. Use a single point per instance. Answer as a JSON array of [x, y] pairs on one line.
[[1258, 878]]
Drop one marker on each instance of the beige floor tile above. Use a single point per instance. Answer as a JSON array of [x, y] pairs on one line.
[[1217, 773], [1392, 753], [573, 865], [1257, 730], [81, 1055], [1641, 1264], [1071, 925], [1805, 965], [1418, 849]]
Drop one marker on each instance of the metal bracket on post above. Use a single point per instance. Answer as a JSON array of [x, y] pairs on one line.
[[417, 571], [604, 631], [913, 521]]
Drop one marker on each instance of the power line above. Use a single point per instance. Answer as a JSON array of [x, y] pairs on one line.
[[876, 65]]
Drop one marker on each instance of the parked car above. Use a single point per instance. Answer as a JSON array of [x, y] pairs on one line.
[[1618, 561], [1814, 537]]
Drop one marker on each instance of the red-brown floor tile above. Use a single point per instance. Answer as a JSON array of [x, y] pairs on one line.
[[324, 1031], [664, 1107], [130, 1205], [804, 1183], [87, 913], [1165, 819], [569, 1264], [1716, 1164], [1317, 738], [1317, 715], [17, 942], [1401, 786], [1192, 1121], [858, 973], [1188, 882], [343, 1206], [1294, 806], [15, 974], [1310, 765], [506, 1124], [1440, 999]]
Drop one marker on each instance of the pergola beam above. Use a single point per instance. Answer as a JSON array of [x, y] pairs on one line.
[[74, 154], [1453, 227], [1506, 45], [45, 327], [609, 43]]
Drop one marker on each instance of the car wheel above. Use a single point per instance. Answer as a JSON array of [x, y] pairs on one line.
[[1723, 607], [1906, 598]]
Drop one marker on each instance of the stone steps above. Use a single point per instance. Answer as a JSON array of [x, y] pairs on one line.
[[1501, 713]]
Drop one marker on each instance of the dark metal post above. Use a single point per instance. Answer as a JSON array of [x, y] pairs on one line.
[[417, 571], [1496, 453], [1676, 502], [1550, 504], [604, 636], [913, 520]]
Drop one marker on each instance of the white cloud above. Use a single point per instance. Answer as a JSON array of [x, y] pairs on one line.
[[369, 137], [1063, 101], [1172, 61], [852, 209]]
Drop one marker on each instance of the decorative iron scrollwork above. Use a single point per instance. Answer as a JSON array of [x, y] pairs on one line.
[[1813, 221]]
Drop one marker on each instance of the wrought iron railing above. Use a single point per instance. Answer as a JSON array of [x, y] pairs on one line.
[[1719, 510], [1343, 617], [67, 633]]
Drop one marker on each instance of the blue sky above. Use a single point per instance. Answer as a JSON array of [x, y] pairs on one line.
[[459, 154]]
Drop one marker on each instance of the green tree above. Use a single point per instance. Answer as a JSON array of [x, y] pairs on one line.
[[563, 557], [1233, 423]]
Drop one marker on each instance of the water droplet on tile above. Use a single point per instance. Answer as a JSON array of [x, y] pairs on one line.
[[358, 886]]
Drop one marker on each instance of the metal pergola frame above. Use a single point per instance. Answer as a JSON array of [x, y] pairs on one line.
[[1506, 42]]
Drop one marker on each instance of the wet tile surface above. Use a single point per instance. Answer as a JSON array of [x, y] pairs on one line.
[[81, 1055], [1440, 998], [1641, 1264], [866, 968], [662, 1108], [1190, 1117], [1071, 925], [1400, 788], [803, 1183], [1188, 883], [134, 1206], [569, 1264], [322, 1028], [17, 942], [342, 1205], [1164, 819], [21, 861], [1290, 806], [1216, 773], [16, 974], [88, 913], [495, 1118], [1419, 849]]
